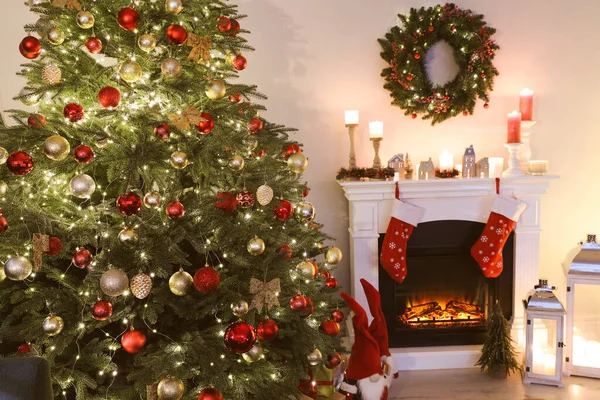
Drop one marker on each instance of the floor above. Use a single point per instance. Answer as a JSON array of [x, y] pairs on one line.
[[470, 384]]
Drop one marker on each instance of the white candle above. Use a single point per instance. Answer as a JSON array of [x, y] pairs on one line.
[[446, 161], [351, 117], [458, 167], [376, 130], [416, 175], [538, 167], [496, 166]]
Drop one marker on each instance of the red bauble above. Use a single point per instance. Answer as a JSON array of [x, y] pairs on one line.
[[235, 98], [285, 252], [326, 274], [337, 315], [73, 112], [30, 47], [235, 27], [414, 116], [176, 34], [83, 258], [465, 113], [409, 78], [305, 192], [83, 154], [255, 125], [223, 24], [102, 310], [94, 45], [206, 279], [308, 310], [162, 131], [431, 28], [175, 210], [240, 63], [298, 302], [333, 360], [54, 246], [36, 121], [19, 163], [128, 18], [133, 341], [3, 224], [207, 125], [210, 394], [290, 149], [417, 56], [267, 330], [24, 348], [226, 202], [240, 337], [245, 199], [284, 210], [331, 283], [486, 106], [129, 203], [109, 97], [453, 27]]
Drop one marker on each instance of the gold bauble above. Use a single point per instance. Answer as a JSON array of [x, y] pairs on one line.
[[254, 354], [3, 187], [152, 200], [170, 67], [240, 308], [215, 89], [130, 71], [236, 163], [28, 97], [55, 36], [333, 255], [174, 6], [82, 186], [170, 388], [85, 19], [315, 357], [128, 236], [51, 74], [147, 43], [114, 282], [18, 268], [179, 160], [297, 163], [256, 246], [304, 212], [3, 155], [53, 325], [229, 58], [306, 270], [2, 274], [264, 194], [56, 148], [141, 285], [180, 283]]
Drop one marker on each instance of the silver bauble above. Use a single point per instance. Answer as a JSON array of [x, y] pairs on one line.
[[35, 2], [170, 388], [56, 148], [152, 200], [3, 187], [101, 141], [141, 285], [130, 71], [216, 89], [179, 160], [254, 354], [170, 67], [264, 195], [147, 43], [114, 282], [128, 236], [251, 143], [55, 36], [51, 74], [306, 270], [85, 19], [256, 246], [315, 357], [3, 155], [53, 325], [304, 212], [18, 268], [29, 98], [174, 6], [297, 163], [2, 274], [236, 163], [333, 255], [180, 283], [82, 186], [240, 308]]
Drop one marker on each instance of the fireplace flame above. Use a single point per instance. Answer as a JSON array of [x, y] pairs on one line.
[[443, 314]]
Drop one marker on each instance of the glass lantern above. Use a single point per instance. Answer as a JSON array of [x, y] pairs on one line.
[[582, 267], [544, 331]]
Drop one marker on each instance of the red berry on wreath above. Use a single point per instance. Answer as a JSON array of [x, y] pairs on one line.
[[19, 163], [255, 125], [82, 258], [207, 124], [337, 316], [267, 330], [83, 154], [240, 337], [73, 112], [54, 246], [93, 44], [175, 210], [486, 106], [206, 279], [414, 115], [36, 121], [30, 47], [162, 131], [102, 310], [176, 34], [240, 63], [223, 24], [128, 18], [133, 341], [129, 203], [226, 202]]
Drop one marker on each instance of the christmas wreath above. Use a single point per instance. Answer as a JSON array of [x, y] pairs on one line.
[[405, 48]]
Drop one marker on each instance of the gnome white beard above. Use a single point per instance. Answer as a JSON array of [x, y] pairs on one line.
[[392, 363], [370, 390]]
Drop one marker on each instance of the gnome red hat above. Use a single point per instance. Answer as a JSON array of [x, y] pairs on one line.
[[364, 360], [378, 327]]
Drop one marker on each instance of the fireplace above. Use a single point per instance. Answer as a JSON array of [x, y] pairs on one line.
[[445, 299]]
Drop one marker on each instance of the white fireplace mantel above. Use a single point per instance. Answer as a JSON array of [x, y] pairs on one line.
[[370, 206]]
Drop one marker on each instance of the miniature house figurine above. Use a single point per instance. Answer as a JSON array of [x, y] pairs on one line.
[[482, 168], [469, 169], [426, 170], [397, 162]]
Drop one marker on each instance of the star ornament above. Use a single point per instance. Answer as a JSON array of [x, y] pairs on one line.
[[183, 119], [200, 47], [70, 4]]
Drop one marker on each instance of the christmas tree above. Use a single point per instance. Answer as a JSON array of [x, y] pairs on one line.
[[155, 234], [498, 354]]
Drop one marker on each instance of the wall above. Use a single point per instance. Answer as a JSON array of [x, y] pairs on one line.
[[316, 58]]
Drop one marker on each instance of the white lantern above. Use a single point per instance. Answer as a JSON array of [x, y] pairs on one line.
[[544, 331], [582, 267]]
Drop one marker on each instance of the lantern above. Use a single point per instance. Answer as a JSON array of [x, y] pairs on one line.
[[544, 331], [582, 267]]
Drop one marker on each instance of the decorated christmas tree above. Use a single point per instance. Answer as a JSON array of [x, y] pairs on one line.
[[155, 235], [498, 354]]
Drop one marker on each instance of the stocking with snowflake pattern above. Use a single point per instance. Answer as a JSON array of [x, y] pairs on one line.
[[393, 253]]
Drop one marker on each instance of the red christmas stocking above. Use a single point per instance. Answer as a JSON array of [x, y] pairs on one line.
[[393, 253], [488, 249]]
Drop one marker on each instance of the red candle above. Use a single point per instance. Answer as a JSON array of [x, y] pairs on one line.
[[514, 127], [526, 104]]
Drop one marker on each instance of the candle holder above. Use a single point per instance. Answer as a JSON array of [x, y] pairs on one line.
[[525, 150], [351, 134], [376, 160], [514, 166]]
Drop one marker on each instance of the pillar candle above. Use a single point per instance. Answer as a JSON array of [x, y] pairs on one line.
[[351, 117], [376, 130], [514, 127], [526, 104], [496, 165], [446, 161]]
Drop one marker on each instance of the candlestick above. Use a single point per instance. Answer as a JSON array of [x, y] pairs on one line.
[[526, 104], [376, 160], [514, 127], [376, 130], [525, 150], [514, 166], [496, 166], [446, 161], [351, 118]]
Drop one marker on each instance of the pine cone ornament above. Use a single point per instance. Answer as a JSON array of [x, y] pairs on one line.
[[141, 285], [51, 74], [264, 195]]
